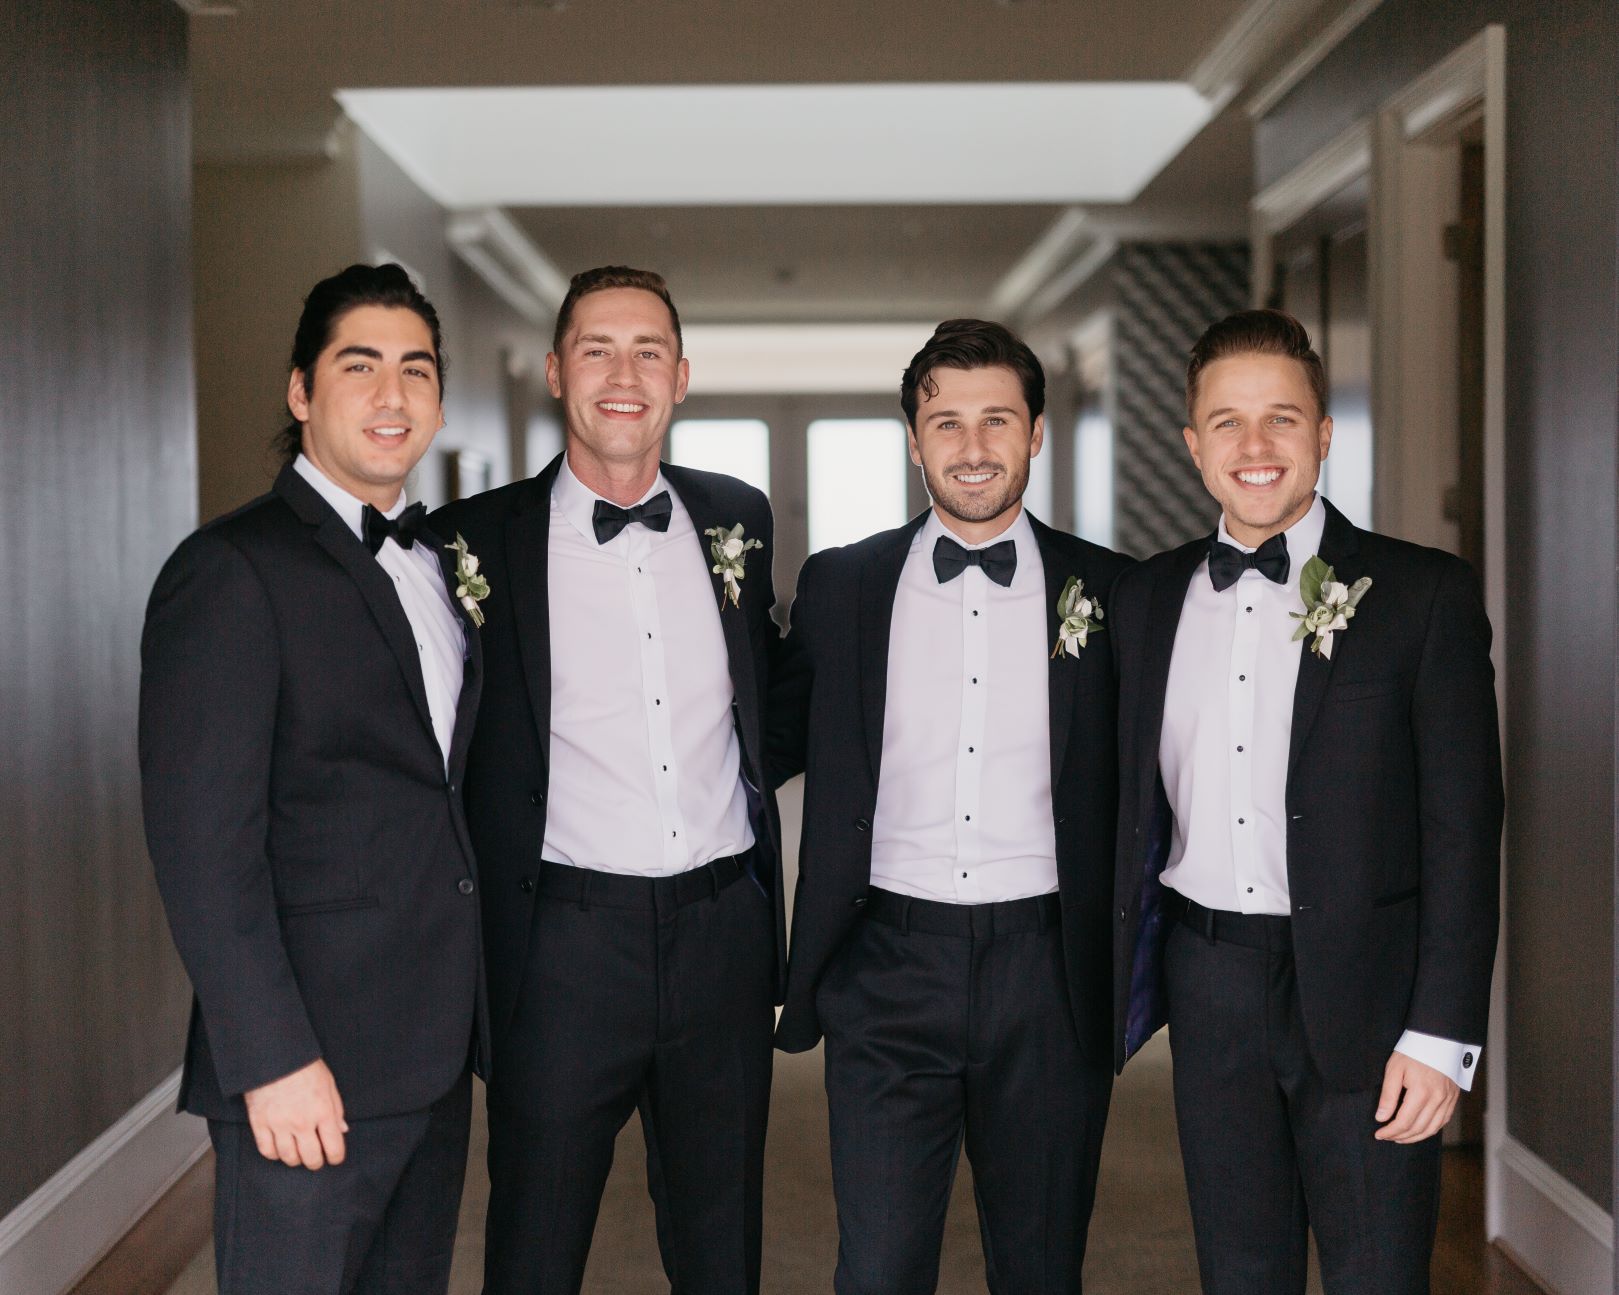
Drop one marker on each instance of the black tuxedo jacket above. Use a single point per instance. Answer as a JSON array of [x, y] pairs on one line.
[[827, 714], [1394, 805], [509, 761], [310, 849]]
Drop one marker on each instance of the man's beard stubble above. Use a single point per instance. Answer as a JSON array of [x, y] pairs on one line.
[[981, 508]]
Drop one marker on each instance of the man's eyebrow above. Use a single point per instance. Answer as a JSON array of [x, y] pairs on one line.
[[369, 352], [942, 413], [421, 355], [1230, 409]]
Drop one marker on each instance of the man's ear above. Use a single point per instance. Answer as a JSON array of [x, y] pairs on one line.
[[910, 441], [1037, 436], [1325, 434], [553, 375], [298, 396], [1191, 447]]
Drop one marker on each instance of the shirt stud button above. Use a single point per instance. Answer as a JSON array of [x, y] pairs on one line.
[[464, 885]]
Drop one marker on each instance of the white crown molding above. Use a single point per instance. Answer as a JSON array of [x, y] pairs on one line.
[[214, 8], [1246, 43], [507, 260], [57, 1235], [1092, 259], [1309, 58], [1038, 264]]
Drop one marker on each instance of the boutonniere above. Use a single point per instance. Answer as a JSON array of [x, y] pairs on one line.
[[470, 587], [730, 552], [1081, 616], [1329, 605]]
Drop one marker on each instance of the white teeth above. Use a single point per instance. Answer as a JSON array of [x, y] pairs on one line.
[[1258, 478], [975, 477], [621, 407], [389, 431]]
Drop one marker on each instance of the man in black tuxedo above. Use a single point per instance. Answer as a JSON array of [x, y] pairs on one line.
[[950, 690], [1309, 833], [632, 909], [307, 692]]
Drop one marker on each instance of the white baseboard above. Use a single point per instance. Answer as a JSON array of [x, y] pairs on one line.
[[1562, 1237], [56, 1236]]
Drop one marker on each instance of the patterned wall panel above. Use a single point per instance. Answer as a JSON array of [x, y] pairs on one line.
[[1165, 295]]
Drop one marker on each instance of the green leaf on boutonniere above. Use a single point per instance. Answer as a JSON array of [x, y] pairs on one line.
[[1079, 616]]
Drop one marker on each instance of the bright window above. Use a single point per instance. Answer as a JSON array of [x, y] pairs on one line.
[[739, 447], [857, 470]]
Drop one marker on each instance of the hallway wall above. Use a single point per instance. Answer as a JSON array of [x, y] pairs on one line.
[[97, 465], [1562, 428]]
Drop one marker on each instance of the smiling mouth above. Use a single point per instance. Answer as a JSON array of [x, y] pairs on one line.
[[1258, 476], [391, 432], [621, 406], [974, 478]]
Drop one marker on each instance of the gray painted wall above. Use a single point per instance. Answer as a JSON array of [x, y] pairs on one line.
[[97, 473], [1562, 419]]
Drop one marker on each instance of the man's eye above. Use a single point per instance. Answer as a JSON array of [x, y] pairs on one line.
[[649, 355], [359, 367]]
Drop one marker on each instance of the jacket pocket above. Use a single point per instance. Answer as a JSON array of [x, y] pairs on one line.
[[1398, 897], [328, 906]]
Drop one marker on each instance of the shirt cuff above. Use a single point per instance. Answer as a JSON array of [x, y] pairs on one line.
[[1457, 1060]]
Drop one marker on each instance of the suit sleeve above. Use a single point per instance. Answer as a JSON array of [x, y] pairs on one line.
[[209, 678], [1460, 802], [791, 677]]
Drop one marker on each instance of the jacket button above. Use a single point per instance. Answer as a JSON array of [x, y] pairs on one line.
[[1121, 915], [860, 901], [862, 825], [526, 885], [536, 798], [451, 788], [464, 885], [1061, 819]]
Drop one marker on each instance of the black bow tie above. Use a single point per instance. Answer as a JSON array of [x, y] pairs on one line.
[[404, 529], [1226, 563], [998, 561], [610, 519]]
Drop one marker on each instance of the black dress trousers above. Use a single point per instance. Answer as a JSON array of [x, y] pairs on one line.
[[1271, 1151], [381, 1223], [948, 1024], [638, 991]]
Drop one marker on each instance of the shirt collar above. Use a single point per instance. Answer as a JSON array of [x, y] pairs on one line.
[[1303, 537], [345, 505], [577, 502]]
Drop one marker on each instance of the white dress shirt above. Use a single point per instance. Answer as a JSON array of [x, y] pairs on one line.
[[418, 579], [964, 799], [1228, 724], [645, 765]]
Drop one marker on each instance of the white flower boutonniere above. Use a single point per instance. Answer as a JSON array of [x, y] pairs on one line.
[[1081, 616], [470, 587], [1329, 605], [730, 552]]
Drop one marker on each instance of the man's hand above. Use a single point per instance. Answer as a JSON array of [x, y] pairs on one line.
[[298, 1119], [1430, 1100]]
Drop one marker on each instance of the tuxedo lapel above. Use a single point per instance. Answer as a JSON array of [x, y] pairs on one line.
[[1340, 550], [1061, 670], [706, 513], [334, 535], [527, 540], [879, 582], [1163, 622]]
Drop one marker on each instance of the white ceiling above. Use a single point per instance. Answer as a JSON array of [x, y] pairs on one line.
[[990, 143]]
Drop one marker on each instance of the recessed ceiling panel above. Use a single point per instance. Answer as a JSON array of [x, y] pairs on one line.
[[782, 144]]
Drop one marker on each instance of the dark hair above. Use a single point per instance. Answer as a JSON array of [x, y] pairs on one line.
[[972, 344], [612, 276], [1256, 332], [328, 301]]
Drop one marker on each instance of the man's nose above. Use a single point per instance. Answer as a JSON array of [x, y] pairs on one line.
[[390, 388]]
